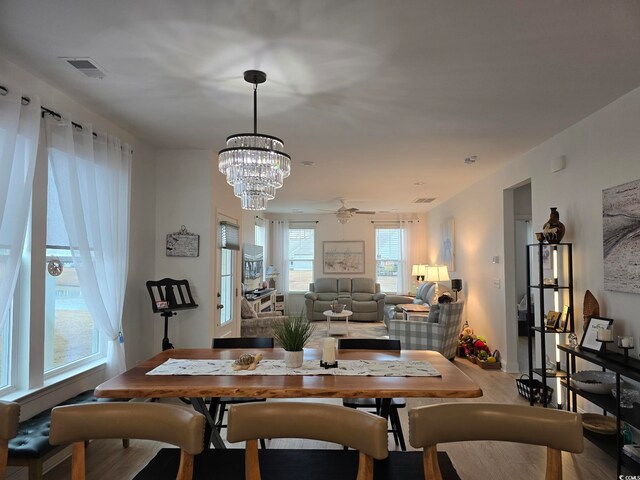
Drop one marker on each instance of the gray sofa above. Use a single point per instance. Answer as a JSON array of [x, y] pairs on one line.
[[360, 295]]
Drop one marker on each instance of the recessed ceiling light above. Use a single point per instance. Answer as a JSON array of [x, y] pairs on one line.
[[308, 163], [471, 160], [417, 184]]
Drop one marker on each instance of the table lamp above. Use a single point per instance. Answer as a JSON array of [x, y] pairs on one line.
[[437, 273], [418, 271], [271, 273]]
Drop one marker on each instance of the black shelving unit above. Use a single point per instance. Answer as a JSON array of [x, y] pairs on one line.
[[562, 282], [614, 362]]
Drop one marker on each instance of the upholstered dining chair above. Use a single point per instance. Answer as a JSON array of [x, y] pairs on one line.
[[238, 342], [361, 431], [9, 419], [373, 403], [177, 425], [449, 422]]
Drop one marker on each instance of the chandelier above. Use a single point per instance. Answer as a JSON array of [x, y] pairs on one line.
[[254, 164]]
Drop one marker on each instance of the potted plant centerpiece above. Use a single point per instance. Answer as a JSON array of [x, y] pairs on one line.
[[292, 334]]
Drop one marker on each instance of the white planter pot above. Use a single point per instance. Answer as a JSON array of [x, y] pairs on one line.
[[293, 359]]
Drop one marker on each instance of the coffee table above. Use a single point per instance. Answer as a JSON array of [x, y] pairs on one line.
[[412, 308], [343, 314]]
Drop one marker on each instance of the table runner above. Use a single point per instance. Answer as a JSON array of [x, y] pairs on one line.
[[359, 368]]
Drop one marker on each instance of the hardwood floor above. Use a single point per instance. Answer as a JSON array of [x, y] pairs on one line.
[[107, 460]]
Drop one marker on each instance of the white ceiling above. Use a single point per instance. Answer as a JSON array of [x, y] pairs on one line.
[[380, 94]]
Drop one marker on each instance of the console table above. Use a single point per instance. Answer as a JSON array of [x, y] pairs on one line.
[[262, 300], [613, 362]]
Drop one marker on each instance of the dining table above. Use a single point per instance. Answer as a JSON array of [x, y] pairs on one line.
[[449, 382]]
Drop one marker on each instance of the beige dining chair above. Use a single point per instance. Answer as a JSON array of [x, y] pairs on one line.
[[9, 419], [449, 422], [359, 430], [174, 424]]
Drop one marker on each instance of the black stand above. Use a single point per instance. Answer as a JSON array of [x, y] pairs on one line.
[[603, 352], [626, 353], [165, 301]]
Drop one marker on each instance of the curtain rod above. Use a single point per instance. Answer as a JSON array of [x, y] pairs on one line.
[[26, 101], [394, 221], [297, 221]]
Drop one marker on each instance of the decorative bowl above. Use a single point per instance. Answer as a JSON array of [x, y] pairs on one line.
[[594, 381], [337, 307]]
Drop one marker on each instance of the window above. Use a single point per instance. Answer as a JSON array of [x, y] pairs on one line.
[[301, 255], [70, 335], [5, 351], [226, 285], [388, 254]]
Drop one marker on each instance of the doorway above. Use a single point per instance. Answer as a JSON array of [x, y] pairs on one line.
[[518, 233], [226, 289]]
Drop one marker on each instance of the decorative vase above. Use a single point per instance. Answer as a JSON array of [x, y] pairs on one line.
[[554, 229], [293, 359]]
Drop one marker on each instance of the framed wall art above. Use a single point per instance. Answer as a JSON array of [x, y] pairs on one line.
[[448, 251], [343, 257], [589, 336], [620, 219], [183, 243], [563, 321]]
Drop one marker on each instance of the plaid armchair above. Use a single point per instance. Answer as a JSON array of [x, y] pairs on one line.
[[422, 335]]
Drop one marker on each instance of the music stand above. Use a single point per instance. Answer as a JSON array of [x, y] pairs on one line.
[[165, 301]]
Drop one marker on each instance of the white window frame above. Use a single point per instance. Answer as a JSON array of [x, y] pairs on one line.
[[313, 250], [380, 260]]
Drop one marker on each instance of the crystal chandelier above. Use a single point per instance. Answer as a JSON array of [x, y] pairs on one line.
[[254, 164]]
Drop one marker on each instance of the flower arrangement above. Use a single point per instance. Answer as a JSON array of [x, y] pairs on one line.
[[473, 346]]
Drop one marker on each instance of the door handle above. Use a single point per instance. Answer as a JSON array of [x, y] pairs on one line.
[[219, 306]]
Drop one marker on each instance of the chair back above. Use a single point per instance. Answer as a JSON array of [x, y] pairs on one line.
[[362, 431], [177, 425], [443, 423], [9, 419], [368, 344], [242, 342]]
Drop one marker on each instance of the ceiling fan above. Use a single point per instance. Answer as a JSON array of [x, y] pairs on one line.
[[343, 214]]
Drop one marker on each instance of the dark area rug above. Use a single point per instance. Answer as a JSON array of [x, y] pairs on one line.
[[293, 464]]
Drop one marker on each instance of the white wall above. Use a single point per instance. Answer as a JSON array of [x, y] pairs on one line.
[[601, 151], [359, 227], [191, 192]]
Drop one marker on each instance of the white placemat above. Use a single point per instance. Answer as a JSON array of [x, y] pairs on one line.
[[359, 368]]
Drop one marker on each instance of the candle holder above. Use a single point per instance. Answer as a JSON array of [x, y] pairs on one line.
[[603, 350], [625, 344], [329, 365]]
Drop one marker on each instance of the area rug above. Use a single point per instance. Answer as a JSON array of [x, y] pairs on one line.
[[293, 464], [356, 330]]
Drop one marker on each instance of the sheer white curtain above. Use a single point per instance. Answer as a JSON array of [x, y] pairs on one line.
[[280, 250], [407, 235], [92, 177], [19, 132]]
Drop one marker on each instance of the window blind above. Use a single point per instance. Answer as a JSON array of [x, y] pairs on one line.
[[229, 236]]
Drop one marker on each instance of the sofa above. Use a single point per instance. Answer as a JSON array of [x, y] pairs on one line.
[[425, 295], [360, 295], [437, 332], [254, 324]]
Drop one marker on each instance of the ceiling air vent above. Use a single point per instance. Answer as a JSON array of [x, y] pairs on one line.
[[424, 200], [86, 66]]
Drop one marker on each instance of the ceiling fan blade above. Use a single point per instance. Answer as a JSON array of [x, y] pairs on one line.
[[365, 212]]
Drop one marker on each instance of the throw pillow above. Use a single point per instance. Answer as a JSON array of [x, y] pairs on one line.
[[246, 310], [434, 314]]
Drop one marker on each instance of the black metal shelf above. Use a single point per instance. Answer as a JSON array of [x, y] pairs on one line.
[[551, 287], [548, 330], [557, 374], [610, 361]]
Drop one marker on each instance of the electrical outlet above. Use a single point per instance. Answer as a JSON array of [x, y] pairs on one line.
[[496, 283]]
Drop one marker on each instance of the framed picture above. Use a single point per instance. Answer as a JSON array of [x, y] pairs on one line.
[[343, 257], [564, 319], [183, 243], [552, 320], [448, 248], [590, 334]]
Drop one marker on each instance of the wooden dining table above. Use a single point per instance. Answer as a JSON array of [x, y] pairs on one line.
[[135, 383]]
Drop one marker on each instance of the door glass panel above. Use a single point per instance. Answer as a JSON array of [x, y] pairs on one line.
[[226, 285]]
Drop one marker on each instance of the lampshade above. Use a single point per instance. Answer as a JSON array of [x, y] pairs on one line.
[[418, 270], [271, 272], [254, 164], [437, 273]]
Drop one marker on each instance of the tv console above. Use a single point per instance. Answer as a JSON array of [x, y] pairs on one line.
[[262, 300]]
